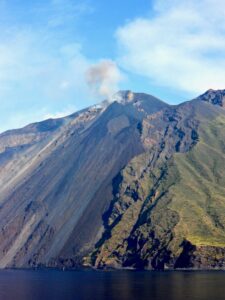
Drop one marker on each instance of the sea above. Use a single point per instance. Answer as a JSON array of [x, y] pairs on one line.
[[111, 285]]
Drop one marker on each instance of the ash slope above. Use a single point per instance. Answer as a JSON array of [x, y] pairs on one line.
[[136, 183]]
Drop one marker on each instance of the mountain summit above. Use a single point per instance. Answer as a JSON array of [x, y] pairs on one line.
[[216, 97], [134, 183]]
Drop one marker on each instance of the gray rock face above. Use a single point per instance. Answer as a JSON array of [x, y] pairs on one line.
[[56, 181], [214, 97]]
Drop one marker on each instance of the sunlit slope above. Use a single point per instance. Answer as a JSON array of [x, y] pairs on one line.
[[199, 193], [169, 211]]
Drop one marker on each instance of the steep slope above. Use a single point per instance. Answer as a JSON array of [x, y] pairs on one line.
[[134, 183], [168, 210], [54, 192]]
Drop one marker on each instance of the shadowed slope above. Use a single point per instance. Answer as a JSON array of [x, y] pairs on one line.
[[52, 206]]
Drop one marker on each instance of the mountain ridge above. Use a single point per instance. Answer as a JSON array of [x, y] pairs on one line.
[[110, 187]]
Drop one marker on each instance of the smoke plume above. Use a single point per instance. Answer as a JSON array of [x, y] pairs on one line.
[[103, 78]]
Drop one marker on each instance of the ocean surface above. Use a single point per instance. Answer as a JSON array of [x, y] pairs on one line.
[[113, 285]]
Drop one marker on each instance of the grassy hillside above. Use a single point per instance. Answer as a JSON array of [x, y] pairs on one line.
[[182, 208], [199, 195]]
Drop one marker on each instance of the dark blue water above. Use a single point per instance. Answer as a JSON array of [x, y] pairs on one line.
[[77, 285]]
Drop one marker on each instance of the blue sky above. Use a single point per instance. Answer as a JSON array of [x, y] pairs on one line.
[[58, 56]]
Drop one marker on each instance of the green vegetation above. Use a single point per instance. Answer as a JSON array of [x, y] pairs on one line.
[[199, 196], [179, 199]]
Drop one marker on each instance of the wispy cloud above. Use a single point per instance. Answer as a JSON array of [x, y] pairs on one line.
[[42, 68], [27, 63], [61, 12], [181, 46]]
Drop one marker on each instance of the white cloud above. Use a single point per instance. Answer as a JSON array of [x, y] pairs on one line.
[[42, 65], [40, 79], [182, 46], [26, 62]]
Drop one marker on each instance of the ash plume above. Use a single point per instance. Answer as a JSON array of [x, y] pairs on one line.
[[103, 78]]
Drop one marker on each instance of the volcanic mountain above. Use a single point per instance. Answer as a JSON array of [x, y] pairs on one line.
[[134, 183]]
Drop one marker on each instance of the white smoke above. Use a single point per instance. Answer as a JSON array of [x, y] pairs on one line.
[[103, 78]]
